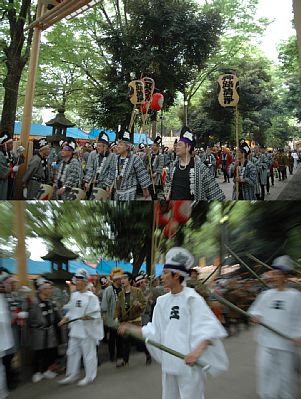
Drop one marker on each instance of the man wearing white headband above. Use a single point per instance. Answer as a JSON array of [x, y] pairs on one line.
[[188, 178], [86, 330], [183, 321]]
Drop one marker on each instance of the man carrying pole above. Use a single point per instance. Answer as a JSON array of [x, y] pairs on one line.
[[280, 308], [183, 322]]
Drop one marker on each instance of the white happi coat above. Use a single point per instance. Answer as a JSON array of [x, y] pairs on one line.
[[81, 304], [282, 311], [276, 357], [181, 322], [6, 341]]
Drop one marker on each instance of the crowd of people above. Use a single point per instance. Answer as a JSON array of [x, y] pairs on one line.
[[122, 171], [151, 308]]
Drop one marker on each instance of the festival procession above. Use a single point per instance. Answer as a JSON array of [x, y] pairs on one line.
[[208, 127], [188, 328], [150, 199]]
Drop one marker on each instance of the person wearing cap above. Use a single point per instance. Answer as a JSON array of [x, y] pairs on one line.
[[156, 166], [183, 321], [188, 178], [97, 172], [128, 172], [38, 171], [43, 318], [226, 161], [280, 308], [69, 173], [8, 168], [86, 330], [108, 306], [247, 174]]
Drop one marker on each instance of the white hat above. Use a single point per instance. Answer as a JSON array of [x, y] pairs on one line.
[[284, 263], [81, 274], [179, 260]]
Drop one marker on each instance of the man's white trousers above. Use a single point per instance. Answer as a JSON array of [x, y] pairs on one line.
[[82, 348], [183, 387]]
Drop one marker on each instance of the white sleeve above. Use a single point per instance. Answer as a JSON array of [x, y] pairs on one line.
[[153, 331], [257, 307], [205, 326]]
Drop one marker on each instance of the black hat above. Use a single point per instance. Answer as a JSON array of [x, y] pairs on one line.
[[5, 137], [103, 138], [187, 136], [69, 143], [113, 144], [125, 137], [41, 143], [141, 146], [158, 140], [244, 147]]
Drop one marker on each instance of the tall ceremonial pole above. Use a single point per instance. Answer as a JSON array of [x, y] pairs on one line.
[[29, 96], [20, 234], [228, 97]]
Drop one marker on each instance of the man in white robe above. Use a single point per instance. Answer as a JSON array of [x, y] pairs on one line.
[[279, 308], [182, 321], [6, 336], [84, 333]]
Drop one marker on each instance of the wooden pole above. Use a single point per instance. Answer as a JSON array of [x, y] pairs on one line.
[[237, 149], [297, 13], [28, 102], [153, 266], [246, 266], [19, 207]]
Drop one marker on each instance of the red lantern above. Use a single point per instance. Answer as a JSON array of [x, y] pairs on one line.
[[162, 217], [157, 102], [181, 211], [144, 107], [171, 228]]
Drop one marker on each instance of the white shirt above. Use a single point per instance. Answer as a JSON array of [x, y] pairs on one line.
[[82, 304], [181, 322], [282, 311], [6, 337]]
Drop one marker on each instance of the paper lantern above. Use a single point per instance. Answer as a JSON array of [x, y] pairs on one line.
[[171, 228], [181, 211], [157, 102]]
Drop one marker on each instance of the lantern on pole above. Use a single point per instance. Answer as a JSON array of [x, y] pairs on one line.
[[228, 97], [157, 102]]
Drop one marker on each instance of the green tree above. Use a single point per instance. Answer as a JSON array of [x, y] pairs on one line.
[[14, 52]]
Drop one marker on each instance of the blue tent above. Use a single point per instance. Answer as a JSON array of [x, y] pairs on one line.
[[44, 266], [105, 267], [46, 131], [40, 267], [138, 138]]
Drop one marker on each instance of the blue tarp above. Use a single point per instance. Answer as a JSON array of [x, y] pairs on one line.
[[43, 266], [138, 138], [46, 131], [103, 267]]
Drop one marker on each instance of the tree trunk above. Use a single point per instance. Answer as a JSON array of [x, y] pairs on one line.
[[16, 57], [11, 88]]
